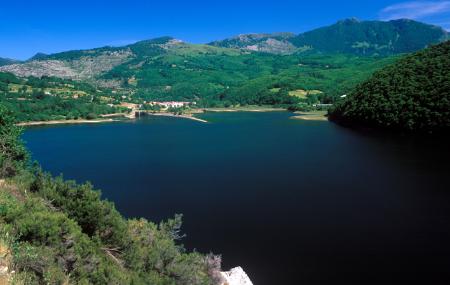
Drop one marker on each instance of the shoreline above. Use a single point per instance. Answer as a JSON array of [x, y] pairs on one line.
[[65, 122], [311, 116], [243, 109], [99, 121], [189, 117], [109, 118]]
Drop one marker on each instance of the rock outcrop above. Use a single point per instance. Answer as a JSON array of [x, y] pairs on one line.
[[236, 276], [83, 68]]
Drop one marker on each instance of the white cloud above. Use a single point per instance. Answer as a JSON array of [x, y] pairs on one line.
[[415, 10]]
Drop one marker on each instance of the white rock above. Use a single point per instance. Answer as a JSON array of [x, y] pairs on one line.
[[236, 276]]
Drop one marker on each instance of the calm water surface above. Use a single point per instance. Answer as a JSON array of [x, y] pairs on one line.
[[292, 202]]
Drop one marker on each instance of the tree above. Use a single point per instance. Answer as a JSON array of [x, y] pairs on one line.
[[13, 154]]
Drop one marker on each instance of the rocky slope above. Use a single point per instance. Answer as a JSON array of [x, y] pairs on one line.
[[90, 65], [277, 43], [86, 66]]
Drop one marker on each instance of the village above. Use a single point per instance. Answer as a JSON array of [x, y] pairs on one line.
[[154, 105]]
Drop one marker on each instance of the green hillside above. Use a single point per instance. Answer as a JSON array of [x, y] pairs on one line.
[[371, 37], [413, 94], [222, 76], [50, 98]]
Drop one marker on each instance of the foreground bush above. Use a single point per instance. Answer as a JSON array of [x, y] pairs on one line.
[[61, 232]]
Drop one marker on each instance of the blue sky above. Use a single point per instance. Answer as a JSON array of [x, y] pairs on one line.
[[27, 27]]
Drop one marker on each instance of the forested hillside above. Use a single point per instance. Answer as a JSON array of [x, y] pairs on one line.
[[412, 94], [371, 37], [51, 98], [215, 76]]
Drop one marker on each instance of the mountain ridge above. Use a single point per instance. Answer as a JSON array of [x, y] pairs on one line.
[[372, 37], [287, 42], [346, 36], [166, 68], [7, 61]]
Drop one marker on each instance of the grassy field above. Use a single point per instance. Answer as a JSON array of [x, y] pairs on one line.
[[303, 94]]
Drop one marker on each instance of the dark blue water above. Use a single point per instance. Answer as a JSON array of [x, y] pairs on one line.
[[292, 202]]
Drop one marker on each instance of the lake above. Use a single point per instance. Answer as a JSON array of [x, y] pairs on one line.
[[291, 201]]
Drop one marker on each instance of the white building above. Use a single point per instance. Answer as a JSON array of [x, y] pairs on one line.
[[172, 104]]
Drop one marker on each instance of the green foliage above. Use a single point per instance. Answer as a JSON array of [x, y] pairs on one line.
[[214, 76], [413, 94], [76, 54], [61, 231], [50, 98], [12, 152]]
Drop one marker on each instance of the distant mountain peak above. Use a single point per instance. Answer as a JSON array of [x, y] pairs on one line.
[[353, 36], [7, 61], [39, 55]]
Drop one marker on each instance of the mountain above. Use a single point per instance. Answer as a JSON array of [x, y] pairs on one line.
[[6, 61], [347, 36], [100, 66], [89, 65], [38, 56], [413, 95], [277, 43], [264, 67], [169, 69], [371, 37], [78, 65]]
